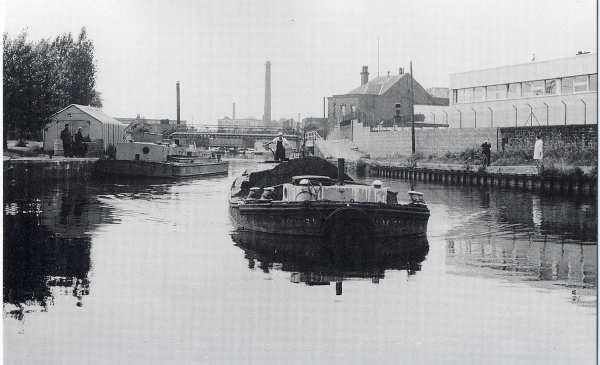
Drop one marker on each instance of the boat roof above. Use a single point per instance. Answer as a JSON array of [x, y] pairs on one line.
[[313, 177]]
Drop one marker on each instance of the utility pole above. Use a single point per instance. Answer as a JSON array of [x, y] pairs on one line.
[[412, 109]]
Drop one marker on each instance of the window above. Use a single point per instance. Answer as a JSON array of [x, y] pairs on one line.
[[552, 87], [461, 96], [495, 92], [526, 89], [594, 82], [514, 91], [501, 91], [479, 94], [580, 84], [567, 85], [468, 95], [538, 87], [491, 92]]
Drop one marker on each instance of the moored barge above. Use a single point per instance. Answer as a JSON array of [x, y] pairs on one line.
[[154, 160]]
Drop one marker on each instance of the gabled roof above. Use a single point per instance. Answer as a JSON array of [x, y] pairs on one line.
[[149, 120], [378, 86], [93, 112]]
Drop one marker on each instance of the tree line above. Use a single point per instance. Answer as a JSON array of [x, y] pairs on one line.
[[41, 77]]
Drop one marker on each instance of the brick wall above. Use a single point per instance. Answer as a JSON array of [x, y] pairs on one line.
[[565, 137], [428, 141]]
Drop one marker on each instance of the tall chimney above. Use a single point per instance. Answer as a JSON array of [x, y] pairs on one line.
[[178, 104], [364, 75], [233, 114], [267, 113]]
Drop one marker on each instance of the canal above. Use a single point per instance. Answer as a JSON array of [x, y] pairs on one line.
[[149, 273]]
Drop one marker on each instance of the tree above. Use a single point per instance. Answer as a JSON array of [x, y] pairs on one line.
[[96, 100], [42, 77]]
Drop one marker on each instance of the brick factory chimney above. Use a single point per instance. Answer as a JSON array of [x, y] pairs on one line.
[[178, 104], [233, 115], [364, 75], [267, 114]]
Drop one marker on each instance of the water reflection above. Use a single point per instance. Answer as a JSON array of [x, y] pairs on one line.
[[534, 238], [311, 261], [572, 265], [48, 239]]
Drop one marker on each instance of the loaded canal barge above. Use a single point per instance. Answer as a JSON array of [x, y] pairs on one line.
[[311, 197]]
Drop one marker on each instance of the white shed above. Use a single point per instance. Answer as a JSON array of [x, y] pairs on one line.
[[93, 121]]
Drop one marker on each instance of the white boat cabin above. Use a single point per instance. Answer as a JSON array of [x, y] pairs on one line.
[[316, 188], [155, 152]]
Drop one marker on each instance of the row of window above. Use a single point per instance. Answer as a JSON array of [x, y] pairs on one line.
[[564, 86], [344, 109]]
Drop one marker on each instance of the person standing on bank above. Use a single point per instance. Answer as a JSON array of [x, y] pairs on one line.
[[280, 144], [79, 147], [67, 139], [486, 150], [538, 154]]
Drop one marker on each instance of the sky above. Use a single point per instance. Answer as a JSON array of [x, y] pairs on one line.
[[218, 49]]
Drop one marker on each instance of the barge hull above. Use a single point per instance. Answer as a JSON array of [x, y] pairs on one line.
[[316, 218], [160, 170]]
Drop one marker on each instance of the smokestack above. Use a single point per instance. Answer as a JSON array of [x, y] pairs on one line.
[[178, 104], [267, 113], [233, 114], [364, 75]]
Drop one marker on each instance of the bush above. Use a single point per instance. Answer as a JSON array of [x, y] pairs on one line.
[[558, 170]]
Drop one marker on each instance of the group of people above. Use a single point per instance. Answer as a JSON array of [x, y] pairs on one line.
[[73, 145]]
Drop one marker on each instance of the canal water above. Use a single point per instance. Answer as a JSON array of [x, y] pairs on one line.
[[148, 273]]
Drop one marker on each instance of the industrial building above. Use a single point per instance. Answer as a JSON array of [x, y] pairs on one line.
[[554, 92], [384, 100]]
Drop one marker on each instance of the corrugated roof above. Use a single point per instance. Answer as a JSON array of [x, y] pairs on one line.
[[378, 86], [95, 113]]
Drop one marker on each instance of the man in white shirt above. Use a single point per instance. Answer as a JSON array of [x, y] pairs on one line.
[[280, 143], [538, 154]]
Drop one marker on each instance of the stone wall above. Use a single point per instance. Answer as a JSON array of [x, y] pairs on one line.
[[561, 138], [428, 141], [41, 170]]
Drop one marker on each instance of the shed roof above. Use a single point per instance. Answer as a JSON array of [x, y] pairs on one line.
[[93, 112]]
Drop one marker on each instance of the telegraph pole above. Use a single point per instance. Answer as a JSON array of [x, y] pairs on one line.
[[412, 109]]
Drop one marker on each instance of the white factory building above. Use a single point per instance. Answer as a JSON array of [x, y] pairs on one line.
[[554, 92]]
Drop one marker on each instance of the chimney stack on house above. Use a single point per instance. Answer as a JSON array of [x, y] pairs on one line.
[[364, 75]]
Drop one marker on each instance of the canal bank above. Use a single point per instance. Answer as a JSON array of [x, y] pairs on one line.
[[42, 168], [516, 177]]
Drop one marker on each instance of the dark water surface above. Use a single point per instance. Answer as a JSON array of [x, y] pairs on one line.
[[149, 273]]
